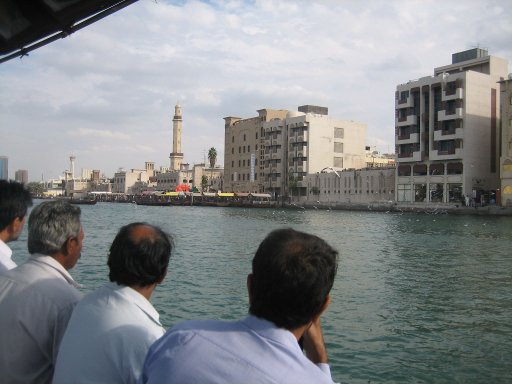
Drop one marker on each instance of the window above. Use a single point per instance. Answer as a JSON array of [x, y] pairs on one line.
[[455, 193], [338, 147], [436, 192], [239, 149], [454, 168], [420, 192], [436, 169], [419, 169], [338, 162], [339, 133], [404, 170], [248, 148], [447, 146], [232, 139], [244, 136], [232, 151], [404, 192], [232, 164]]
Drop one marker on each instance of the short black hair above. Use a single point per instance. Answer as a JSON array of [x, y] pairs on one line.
[[293, 273], [139, 260], [14, 202]]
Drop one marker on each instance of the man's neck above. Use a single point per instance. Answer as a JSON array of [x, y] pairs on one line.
[[146, 291]]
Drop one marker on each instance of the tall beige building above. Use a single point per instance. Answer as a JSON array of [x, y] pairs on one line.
[[506, 141], [176, 155], [275, 151], [447, 131]]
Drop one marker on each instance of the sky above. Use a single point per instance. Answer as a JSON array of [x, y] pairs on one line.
[[106, 94]]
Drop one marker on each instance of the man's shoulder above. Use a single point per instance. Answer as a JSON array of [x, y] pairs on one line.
[[29, 280]]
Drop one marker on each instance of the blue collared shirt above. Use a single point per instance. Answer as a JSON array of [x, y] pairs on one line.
[[249, 351]]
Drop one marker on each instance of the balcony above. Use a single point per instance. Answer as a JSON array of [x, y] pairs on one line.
[[303, 136], [455, 133], [447, 95], [453, 114], [410, 138], [409, 157], [455, 153], [404, 121], [403, 103]]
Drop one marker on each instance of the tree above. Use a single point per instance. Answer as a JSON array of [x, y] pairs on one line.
[[35, 188], [212, 158], [204, 183]]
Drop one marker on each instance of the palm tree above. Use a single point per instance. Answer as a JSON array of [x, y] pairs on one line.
[[212, 158]]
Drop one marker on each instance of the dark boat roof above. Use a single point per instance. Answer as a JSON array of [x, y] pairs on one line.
[[26, 25]]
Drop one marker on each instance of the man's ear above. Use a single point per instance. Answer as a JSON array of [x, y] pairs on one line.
[[324, 307]]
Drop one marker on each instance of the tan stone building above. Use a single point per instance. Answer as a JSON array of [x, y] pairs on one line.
[[506, 141], [244, 151], [447, 131]]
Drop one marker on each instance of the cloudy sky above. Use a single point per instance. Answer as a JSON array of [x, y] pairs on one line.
[[107, 93]]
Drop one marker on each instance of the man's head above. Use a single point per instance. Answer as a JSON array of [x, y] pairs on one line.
[[292, 275], [14, 203], [139, 255], [54, 229]]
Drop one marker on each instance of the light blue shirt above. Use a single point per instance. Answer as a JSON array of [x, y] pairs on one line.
[[107, 338], [248, 351]]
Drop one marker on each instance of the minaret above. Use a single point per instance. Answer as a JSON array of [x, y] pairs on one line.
[[72, 166], [176, 154]]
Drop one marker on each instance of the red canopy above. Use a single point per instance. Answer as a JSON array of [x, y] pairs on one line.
[[182, 188]]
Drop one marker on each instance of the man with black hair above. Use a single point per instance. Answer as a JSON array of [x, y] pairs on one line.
[[292, 275], [112, 328], [14, 203]]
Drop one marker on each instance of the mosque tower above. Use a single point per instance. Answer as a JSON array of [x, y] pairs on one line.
[[176, 154]]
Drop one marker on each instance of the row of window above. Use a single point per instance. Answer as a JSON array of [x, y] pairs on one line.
[[433, 192]]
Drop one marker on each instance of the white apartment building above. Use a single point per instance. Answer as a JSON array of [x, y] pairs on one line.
[[447, 130], [506, 142], [274, 152]]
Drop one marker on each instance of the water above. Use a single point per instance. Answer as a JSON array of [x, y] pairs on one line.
[[418, 298]]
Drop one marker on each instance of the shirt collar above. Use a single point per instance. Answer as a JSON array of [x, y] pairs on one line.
[[55, 266], [5, 250], [269, 330], [136, 298]]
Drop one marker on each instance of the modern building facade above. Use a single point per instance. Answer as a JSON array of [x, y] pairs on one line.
[[4, 168], [447, 131], [21, 176], [506, 141], [275, 151]]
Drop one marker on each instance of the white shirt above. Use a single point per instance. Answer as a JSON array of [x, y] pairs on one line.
[[250, 351], [36, 301], [108, 337], [6, 262]]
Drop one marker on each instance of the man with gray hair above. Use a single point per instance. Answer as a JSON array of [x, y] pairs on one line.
[[38, 297]]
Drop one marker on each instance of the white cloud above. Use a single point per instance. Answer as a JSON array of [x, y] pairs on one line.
[[107, 93]]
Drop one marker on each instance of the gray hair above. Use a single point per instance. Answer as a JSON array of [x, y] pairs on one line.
[[50, 225]]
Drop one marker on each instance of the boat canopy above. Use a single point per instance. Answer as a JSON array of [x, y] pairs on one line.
[[171, 194], [209, 194], [261, 195], [225, 194], [242, 194]]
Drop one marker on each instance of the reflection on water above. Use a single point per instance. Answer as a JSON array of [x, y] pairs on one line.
[[418, 298]]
